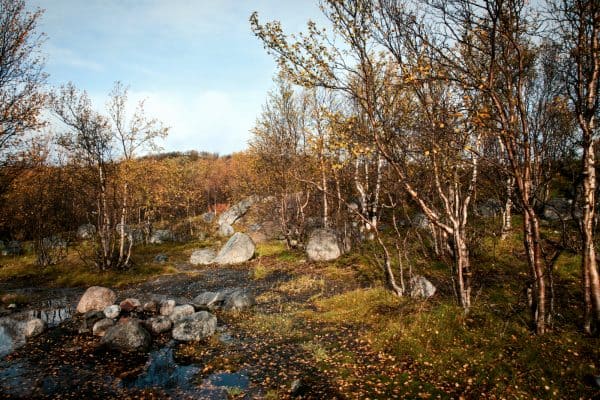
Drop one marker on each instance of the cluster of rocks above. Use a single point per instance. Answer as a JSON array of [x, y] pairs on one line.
[[129, 325], [238, 249]]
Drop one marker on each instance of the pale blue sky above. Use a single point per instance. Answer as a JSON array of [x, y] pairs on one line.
[[196, 62]]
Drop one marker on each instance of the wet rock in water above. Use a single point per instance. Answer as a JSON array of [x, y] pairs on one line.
[[100, 327], [239, 300], [181, 311], [130, 304], [126, 337], [420, 287], [209, 300], [160, 236], [203, 257], [150, 307], [225, 230], [195, 327], [33, 327], [112, 311], [96, 298], [238, 249], [323, 245], [161, 258], [167, 306], [158, 325]]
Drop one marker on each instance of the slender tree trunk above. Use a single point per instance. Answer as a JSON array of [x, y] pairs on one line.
[[324, 192], [538, 286], [507, 211], [122, 225], [463, 268], [589, 267]]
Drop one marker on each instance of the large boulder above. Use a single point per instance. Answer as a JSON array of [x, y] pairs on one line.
[[238, 249], [195, 327], [420, 287], [323, 245], [160, 236], [96, 298], [559, 208], [127, 337], [86, 231], [54, 242], [203, 257], [236, 211]]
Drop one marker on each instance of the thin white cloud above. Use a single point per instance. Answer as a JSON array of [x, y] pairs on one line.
[[67, 57]]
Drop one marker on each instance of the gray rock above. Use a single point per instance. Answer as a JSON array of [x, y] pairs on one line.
[[420, 221], [239, 300], [112, 311], [489, 208], [33, 327], [100, 327], [225, 230], [238, 249], [167, 307], [203, 257], [559, 208], [323, 245], [160, 324], [420, 287], [54, 242], [209, 300], [89, 319], [181, 311], [12, 248], [236, 211], [208, 217], [11, 336], [96, 298], [86, 231], [126, 337], [160, 236], [161, 258], [195, 327]]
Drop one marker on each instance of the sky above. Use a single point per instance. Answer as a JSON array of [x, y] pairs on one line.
[[196, 63]]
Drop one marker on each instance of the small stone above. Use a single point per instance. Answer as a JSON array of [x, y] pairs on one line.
[[100, 327], [112, 311], [130, 304], [150, 307], [166, 307], [161, 258], [12, 306], [33, 327]]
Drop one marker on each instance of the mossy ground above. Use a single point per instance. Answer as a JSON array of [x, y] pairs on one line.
[[337, 328]]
